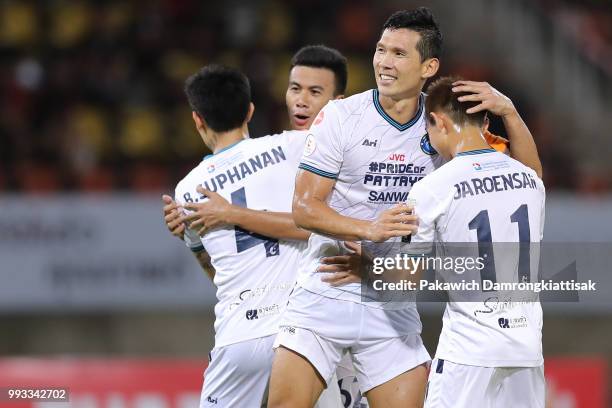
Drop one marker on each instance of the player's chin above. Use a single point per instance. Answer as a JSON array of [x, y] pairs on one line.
[[386, 89], [295, 127], [300, 126]]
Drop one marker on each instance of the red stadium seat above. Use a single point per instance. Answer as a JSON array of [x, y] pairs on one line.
[[145, 178], [98, 180], [38, 178]]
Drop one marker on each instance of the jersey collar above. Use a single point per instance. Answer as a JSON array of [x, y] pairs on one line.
[[393, 122], [477, 151], [224, 149]]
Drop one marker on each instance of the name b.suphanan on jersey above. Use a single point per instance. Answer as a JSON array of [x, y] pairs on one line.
[[254, 274]]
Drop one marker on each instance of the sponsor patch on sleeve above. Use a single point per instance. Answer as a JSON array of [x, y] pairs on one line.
[[310, 145]]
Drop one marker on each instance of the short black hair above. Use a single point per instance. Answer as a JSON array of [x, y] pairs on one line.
[[440, 97], [220, 95], [320, 56], [423, 22]]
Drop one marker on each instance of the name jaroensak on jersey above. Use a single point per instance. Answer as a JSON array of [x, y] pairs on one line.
[[483, 185]]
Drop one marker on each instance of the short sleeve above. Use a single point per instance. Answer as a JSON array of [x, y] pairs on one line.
[[323, 149], [191, 237], [292, 142]]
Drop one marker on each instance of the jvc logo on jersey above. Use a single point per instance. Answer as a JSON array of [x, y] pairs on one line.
[[366, 142], [397, 157]]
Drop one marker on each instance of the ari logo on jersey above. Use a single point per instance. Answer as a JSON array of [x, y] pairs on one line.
[[366, 142], [426, 146], [251, 314]]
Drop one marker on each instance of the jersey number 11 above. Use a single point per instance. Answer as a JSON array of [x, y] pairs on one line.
[[481, 224]]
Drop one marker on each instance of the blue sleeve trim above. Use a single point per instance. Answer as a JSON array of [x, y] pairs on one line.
[[477, 151], [319, 172], [198, 248]]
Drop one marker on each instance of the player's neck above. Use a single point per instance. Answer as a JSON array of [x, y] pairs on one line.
[[227, 139], [400, 110], [470, 139]]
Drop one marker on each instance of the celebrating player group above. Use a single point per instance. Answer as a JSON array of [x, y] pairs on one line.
[[278, 222]]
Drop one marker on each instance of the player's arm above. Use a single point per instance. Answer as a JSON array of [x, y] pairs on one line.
[[218, 212], [522, 145], [194, 243], [311, 212], [204, 261], [174, 222]]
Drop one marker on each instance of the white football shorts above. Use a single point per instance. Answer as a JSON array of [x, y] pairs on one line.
[[382, 343], [238, 375], [462, 386]]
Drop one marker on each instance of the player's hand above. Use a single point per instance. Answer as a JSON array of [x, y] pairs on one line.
[[342, 269], [490, 98], [172, 217], [209, 214], [397, 221]]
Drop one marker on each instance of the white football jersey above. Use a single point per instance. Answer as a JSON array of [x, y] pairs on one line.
[[375, 161], [488, 198], [254, 274]]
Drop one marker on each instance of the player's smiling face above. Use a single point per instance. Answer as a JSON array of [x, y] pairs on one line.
[[397, 64], [308, 92]]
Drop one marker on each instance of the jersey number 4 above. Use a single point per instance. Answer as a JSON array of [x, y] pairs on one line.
[[481, 224], [246, 239]]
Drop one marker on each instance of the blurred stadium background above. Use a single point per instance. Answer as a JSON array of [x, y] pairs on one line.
[[98, 297]]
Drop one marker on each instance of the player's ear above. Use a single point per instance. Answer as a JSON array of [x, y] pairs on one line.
[[250, 112], [429, 67], [438, 121], [485, 124], [199, 122]]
